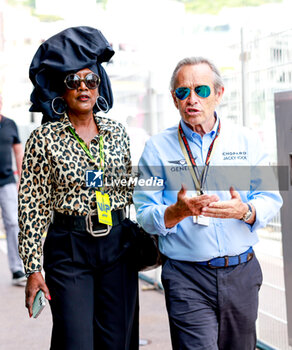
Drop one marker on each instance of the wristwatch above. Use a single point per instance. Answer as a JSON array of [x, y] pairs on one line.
[[248, 214]]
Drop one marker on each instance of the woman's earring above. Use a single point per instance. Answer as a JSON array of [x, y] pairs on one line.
[[58, 105], [104, 101]]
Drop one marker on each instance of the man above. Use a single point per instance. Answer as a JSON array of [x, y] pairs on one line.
[[9, 140], [210, 275]]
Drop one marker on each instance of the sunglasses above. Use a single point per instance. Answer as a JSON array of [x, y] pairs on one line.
[[183, 92], [73, 81]]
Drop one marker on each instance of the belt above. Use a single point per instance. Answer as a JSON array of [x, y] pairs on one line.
[[88, 223], [226, 261]]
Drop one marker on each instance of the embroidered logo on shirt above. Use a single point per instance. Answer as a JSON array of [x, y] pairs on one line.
[[181, 165], [234, 155], [178, 162]]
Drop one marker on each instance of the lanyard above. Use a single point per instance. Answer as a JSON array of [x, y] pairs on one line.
[[199, 180], [86, 150]]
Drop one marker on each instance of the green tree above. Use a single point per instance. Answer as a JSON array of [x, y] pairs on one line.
[[102, 2], [213, 7], [30, 3]]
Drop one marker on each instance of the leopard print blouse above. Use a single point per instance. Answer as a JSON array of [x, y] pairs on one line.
[[53, 178]]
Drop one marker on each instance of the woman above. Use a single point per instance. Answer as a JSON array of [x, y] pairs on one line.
[[90, 281]]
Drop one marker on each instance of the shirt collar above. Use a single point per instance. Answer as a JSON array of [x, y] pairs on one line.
[[190, 134], [104, 124]]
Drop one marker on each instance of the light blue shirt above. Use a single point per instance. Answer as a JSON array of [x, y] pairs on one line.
[[163, 159]]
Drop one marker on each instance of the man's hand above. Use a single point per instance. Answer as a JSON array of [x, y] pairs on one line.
[[34, 283], [232, 209], [186, 206]]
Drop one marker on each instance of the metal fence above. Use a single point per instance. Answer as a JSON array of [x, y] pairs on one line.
[[267, 62]]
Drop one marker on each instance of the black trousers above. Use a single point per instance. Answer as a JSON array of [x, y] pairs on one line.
[[212, 309], [94, 290]]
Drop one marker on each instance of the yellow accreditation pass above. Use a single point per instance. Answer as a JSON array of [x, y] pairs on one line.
[[104, 208]]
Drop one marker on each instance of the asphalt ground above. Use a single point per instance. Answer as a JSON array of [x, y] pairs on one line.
[[19, 332]]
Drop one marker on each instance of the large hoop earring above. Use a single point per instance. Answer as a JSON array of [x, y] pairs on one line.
[[60, 104], [105, 102]]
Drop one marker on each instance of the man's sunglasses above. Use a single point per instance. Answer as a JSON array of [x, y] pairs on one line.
[[183, 92], [73, 81]]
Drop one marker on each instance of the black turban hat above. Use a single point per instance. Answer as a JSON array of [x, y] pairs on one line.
[[69, 51]]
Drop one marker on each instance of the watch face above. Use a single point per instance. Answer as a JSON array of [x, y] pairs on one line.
[[248, 214]]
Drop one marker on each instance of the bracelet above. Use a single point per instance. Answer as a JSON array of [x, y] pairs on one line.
[[30, 273]]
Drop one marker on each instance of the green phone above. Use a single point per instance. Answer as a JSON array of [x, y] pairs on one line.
[[38, 304]]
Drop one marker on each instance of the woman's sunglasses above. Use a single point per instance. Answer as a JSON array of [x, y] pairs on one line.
[[183, 92], [73, 81]]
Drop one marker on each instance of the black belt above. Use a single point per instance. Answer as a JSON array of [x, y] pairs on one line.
[[88, 223], [226, 261]]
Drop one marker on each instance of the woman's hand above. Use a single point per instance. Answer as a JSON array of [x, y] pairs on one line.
[[34, 283]]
